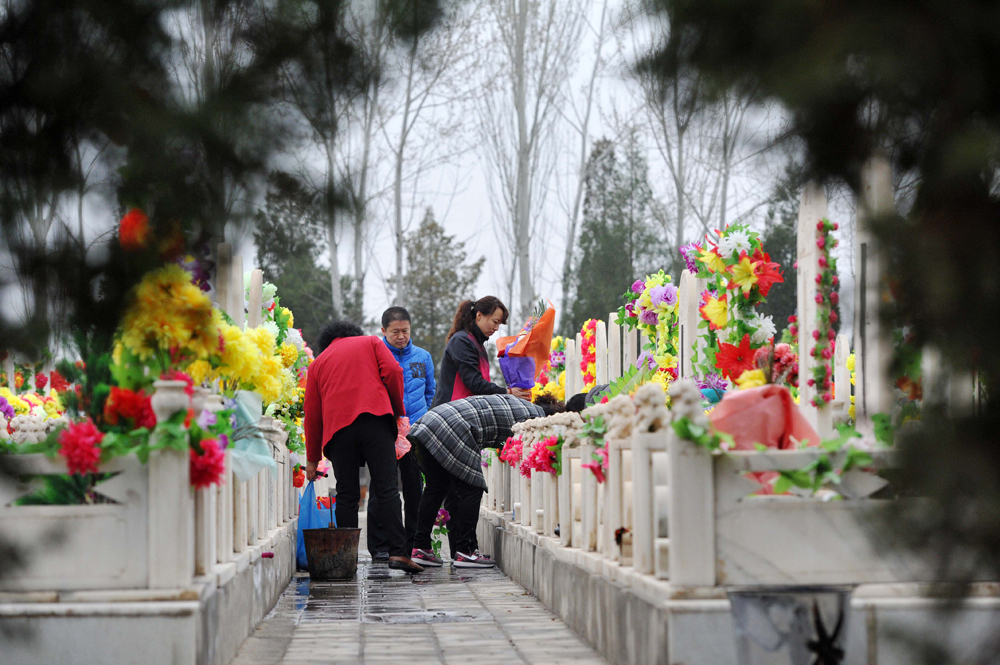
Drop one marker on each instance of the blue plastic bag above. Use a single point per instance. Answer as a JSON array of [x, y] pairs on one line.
[[310, 517]]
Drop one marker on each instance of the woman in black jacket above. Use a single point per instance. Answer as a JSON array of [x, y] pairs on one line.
[[465, 367]]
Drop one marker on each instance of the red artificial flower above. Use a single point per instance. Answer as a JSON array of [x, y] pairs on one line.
[[130, 405], [40, 381], [80, 444], [133, 230], [767, 276], [543, 378], [733, 360], [177, 375], [208, 468], [18, 380], [760, 255], [299, 479], [59, 383]]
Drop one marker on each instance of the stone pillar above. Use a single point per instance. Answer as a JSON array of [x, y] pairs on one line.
[[255, 298], [601, 353], [873, 348], [236, 310], [572, 378], [170, 519], [841, 378], [692, 514], [689, 295], [812, 208], [614, 348]]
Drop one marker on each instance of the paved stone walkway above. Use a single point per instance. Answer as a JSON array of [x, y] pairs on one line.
[[444, 615]]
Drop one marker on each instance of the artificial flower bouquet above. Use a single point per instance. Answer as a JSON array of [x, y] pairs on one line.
[[524, 356]]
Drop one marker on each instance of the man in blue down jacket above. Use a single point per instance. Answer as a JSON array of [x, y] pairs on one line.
[[418, 393]]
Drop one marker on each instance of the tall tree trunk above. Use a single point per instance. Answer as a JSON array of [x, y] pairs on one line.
[[522, 211], [330, 206], [397, 186], [567, 271]]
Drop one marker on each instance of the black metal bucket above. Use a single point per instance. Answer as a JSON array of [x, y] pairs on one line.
[[332, 553]]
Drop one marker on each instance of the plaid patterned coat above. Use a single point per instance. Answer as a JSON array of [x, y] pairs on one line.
[[455, 432]]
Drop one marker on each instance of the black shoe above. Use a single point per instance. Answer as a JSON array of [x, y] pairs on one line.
[[404, 563], [380, 557]]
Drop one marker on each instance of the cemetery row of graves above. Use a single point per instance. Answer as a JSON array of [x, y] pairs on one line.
[[716, 455]]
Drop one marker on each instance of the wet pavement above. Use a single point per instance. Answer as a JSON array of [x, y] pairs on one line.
[[443, 615]]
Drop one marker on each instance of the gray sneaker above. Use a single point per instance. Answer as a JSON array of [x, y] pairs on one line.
[[426, 558], [475, 560]]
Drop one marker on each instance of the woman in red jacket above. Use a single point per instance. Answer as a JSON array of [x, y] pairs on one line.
[[354, 393]]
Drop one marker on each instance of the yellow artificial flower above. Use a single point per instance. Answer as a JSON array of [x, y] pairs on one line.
[[289, 354], [751, 378], [712, 260], [21, 408], [291, 317], [169, 313], [201, 371], [850, 363], [715, 311], [851, 411], [32, 399], [743, 274]]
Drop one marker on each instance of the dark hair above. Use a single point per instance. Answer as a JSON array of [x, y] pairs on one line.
[[549, 404], [465, 315], [577, 403], [394, 314], [336, 330]]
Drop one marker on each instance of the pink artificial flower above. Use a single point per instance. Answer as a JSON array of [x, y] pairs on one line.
[[819, 298], [816, 335], [820, 226], [822, 262], [833, 317], [834, 298], [821, 242]]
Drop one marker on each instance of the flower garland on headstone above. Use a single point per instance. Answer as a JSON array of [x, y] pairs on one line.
[[826, 299], [588, 353], [740, 274], [651, 305]]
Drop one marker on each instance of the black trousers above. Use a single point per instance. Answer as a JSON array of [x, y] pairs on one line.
[[370, 440], [413, 488], [464, 502]]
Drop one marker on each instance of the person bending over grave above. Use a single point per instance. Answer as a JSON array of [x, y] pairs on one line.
[[354, 393], [448, 441]]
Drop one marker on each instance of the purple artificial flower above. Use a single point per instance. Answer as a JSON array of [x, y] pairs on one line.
[[224, 441], [646, 358], [712, 381], [638, 286], [649, 317], [443, 518], [690, 254], [207, 419], [630, 309], [6, 409], [557, 358], [666, 294]]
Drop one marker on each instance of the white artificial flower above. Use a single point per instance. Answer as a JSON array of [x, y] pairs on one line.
[[271, 327], [764, 328], [294, 337], [734, 241], [293, 457]]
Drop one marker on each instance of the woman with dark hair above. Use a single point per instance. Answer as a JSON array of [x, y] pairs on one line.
[[465, 367], [354, 393]]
